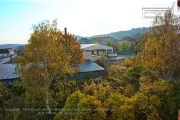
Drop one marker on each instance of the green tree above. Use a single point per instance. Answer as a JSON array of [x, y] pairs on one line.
[[4, 96], [134, 74], [124, 46], [80, 106], [170, 100], [60, 91], [93, 108], [69, 110], [110, 43], [118, 109]]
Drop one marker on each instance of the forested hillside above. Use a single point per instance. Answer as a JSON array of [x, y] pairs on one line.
[[120, 34]]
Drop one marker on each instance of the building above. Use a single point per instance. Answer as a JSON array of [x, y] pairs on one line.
[[6, 52], [93, 51], [102, 40], [7, 74], [84, 71], [88, 70]]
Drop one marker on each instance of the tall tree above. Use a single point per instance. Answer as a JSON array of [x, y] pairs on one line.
[[46, 58], [161, 50]]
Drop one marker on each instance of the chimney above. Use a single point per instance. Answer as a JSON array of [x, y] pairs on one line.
[[65, 31]]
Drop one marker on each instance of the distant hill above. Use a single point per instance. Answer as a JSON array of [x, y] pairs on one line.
[[130, 35], [121, 34], [118, 35]]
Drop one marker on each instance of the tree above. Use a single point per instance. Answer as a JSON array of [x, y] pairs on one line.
[[99, 88], [118, 82], [161, 51], [4, 96], [46, 59], [60, 91], [72, 48], [133, 75], [70, 111], [124, 46], [170, 100], [93, 108], [105, 61], [139, 45], [110, 43], [81, 106], [118, 109]]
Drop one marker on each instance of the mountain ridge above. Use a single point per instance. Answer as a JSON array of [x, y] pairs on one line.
[[119, 34]]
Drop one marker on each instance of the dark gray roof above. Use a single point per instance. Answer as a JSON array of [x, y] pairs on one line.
[[89, 66], [7, 71], [4, 51]]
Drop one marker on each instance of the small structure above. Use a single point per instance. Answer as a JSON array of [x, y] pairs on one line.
[[88, 70], [7, 74], [93, 51]]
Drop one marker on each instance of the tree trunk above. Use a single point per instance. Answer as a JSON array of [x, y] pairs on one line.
[[174, 67], [47, 81], [47, 100]]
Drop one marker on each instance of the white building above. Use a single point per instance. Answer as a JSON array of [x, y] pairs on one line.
[[93, 51]]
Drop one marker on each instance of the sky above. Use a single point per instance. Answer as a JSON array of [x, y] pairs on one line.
[[80, 17]]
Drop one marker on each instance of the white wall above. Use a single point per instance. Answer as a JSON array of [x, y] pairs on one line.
[[88, 55]]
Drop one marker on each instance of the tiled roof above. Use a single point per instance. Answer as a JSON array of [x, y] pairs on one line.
[[7, 71], [89, 66]]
